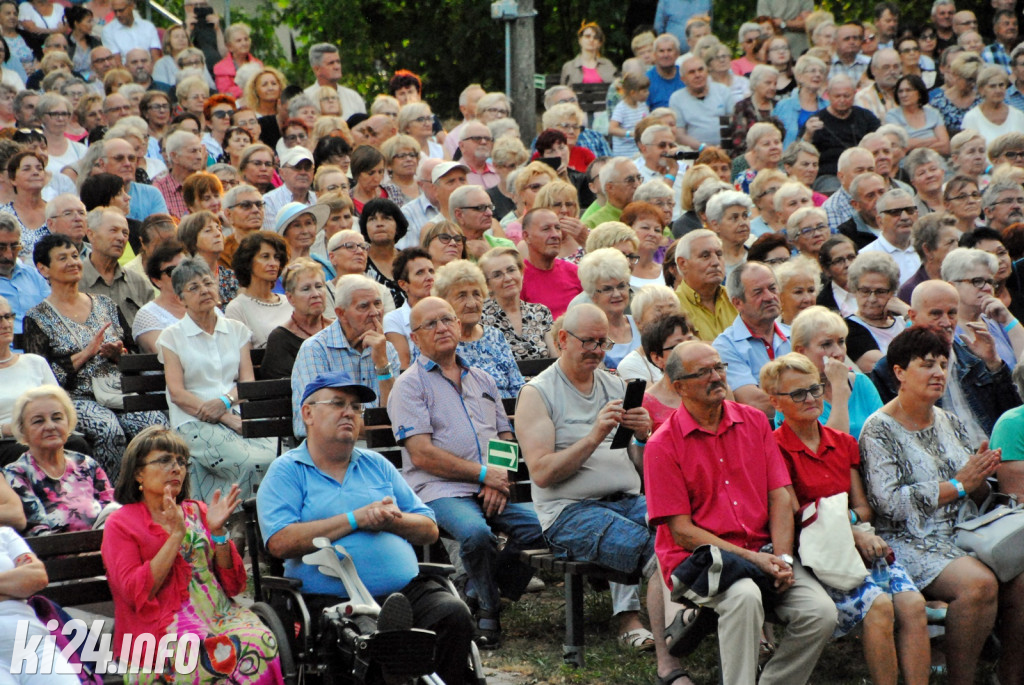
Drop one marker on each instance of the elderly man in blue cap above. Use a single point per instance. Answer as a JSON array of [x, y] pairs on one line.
[[328, 487]]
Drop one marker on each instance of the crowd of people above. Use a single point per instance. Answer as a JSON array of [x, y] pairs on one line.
[[809, 253]]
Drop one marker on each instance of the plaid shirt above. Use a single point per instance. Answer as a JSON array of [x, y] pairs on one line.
[[171, 190], [996, 54], [1014, 98], [595, 142], [329, 350]]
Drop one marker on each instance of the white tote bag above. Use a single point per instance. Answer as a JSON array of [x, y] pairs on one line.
[[826, 543]]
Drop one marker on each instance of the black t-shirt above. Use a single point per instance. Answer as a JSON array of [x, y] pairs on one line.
[[839, 134]]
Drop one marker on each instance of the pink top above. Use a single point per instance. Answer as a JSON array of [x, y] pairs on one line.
[[660, 413], [224, 75], [130, 541], [554, 288], [742, 66], [591, 75], [720, 479]]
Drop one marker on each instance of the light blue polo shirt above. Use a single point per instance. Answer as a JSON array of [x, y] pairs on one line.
[[745, 354], [296, 491], [24, 289]]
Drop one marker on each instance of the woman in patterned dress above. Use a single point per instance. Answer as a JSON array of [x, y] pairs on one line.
[[525, 325], [82, 336], [918, 465], [27, 173], [823, 462], [173, 569]]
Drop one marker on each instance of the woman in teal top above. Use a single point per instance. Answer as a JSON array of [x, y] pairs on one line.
[[1008, 434], [850, 396]]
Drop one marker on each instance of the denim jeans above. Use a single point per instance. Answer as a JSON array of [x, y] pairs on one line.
[[611, 533], [492, 573]]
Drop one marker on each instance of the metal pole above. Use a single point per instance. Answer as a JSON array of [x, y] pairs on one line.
[[227, 13], [508, 59]]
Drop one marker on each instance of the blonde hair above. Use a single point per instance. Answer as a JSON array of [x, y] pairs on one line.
[[454, 273], [692, 178], [43, 392], [601, 265], [556, 190], [771, 373], [609, 234], [297, 267], [524, 175], [558, 114], [813, 321], [647, 296]]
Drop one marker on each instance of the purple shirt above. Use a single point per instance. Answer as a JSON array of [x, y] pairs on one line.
[[423, 401]]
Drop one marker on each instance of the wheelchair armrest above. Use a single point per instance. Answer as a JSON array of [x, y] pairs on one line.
[[442, 570], [280, 583]]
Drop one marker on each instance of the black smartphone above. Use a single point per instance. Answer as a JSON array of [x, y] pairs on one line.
[[634, 398]]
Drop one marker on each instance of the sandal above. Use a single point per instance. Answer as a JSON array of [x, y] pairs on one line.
[[672, 677], [638, 639], [688, 628], [488, 629]]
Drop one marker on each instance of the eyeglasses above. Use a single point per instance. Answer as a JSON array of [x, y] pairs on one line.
[[496, 110], [342, 405], [118, 108], [978, 282], [295, 137], [868, 38], [168, 270], [766, 192], [446, 238], [58, 115], [569, 125], [406, 155], [905, 51], [259, 163], [220, 114], [878, 292], [718, 368], [159, 107], [246, 123], [1010, 201], [480, 208], [510, 271], [352, 247], [480, 140], [591, 345], [842, 260], [13, 247], [799, 395], [896, 212], [820, 228], [207, 284], [185, 63], [248, 204], [447, 321], [169, 461], [609, 289], [631, 180], [1014, 154], [973, 196], [422, 120], [633, 258], [8, 317], [775, 261], [71, 213], [121, 158]]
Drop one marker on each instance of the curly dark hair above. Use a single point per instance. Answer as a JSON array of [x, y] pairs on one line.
[[41, 250], [400, 266], [99, 189], [404, 78], [380, 205], [241, 261]]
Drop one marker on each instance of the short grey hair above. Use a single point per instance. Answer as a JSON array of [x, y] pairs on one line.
[[648, 296], [51, 207], [603, 264], [797, 218], [892, 196], [187, 270], [350, 284], [962, 260], [549, 95], [190, 52], [647, 137], [457, 200], [684, 248], [94, 219], [51, 101], [298, 102], [652, 190], [747, 27], [993, 190], [724, 200], [798, 266], [806, 62], [895, 130], [920, 157], [174, 142], [846, 158], [608, 171], [734, 283], [925, 232], [231, 197], [317, 52], [792, 152], [9, 224], [667, 38], [874, 263], [787, 190], [760, 73], [708, 189], [760, 130], [861, 179]]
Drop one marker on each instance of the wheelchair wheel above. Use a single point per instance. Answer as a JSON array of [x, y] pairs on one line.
[[271, 620]]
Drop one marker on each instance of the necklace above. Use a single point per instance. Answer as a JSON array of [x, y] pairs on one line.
[[8, 359], [309, 334], [911, 419]]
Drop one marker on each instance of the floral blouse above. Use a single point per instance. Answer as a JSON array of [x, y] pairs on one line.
[[492, 354], [952, 115], [60, 505], [745, 115], [29, 235], [55, 337], [537, 322], [227, 284]]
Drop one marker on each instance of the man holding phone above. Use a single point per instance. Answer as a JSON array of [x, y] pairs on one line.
[[586, 493]]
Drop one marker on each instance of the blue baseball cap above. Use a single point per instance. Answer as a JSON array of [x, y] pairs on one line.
[[338, 379]]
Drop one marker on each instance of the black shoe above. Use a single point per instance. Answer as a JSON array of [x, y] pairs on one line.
[[488, 629], [689, 627], [395, 614]]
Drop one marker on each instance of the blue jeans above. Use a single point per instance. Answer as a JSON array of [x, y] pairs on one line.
[[492, 573], [611, 533]]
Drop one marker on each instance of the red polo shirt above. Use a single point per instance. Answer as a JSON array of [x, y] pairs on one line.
[[823, 474], [720, 479]]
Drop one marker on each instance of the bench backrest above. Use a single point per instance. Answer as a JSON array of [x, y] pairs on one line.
[[74, 566]]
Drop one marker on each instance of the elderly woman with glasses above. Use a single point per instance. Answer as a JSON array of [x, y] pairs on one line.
[[526, 325], [464, 286], [54, 113], [649, 305], [604, 274], [445, 242], [257, 167], [205, 355], [416, 120], [962, 198], [402, 157], [192, 93], [873, 279], [849, 395], [807, 229], [306, 290], [172, 568], [972, 272]]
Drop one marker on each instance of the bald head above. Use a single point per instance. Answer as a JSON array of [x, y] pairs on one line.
[[935, 304], [583, 314], [426, 306]]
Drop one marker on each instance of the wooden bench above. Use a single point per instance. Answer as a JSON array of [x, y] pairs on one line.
[[592, 97]]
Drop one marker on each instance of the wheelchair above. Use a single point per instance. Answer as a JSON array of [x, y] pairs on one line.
[[347, 643]]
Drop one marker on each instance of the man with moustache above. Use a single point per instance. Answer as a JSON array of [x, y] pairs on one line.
[[102, 275], [714, 476], [1003, 204], [754, 337], [20, 284], [547, 280], [897, 213], [444, 460], [862, 227]]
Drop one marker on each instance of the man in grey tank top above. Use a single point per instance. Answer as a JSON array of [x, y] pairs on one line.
[[586, 494]]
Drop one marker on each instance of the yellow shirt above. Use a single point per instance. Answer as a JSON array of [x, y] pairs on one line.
[[709, 322]]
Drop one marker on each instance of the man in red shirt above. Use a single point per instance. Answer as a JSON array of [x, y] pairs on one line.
[[714, 476], [547, 280]]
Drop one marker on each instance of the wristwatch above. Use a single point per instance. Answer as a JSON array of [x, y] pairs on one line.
[[385, 370], [788, 558], [782, 25]]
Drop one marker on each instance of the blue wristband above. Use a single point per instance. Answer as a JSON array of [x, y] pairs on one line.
[[219, 539], [960, 491], [639, 442], [352, 520], [1010, 326], [226, 401], [853, 517], [483, 473]]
